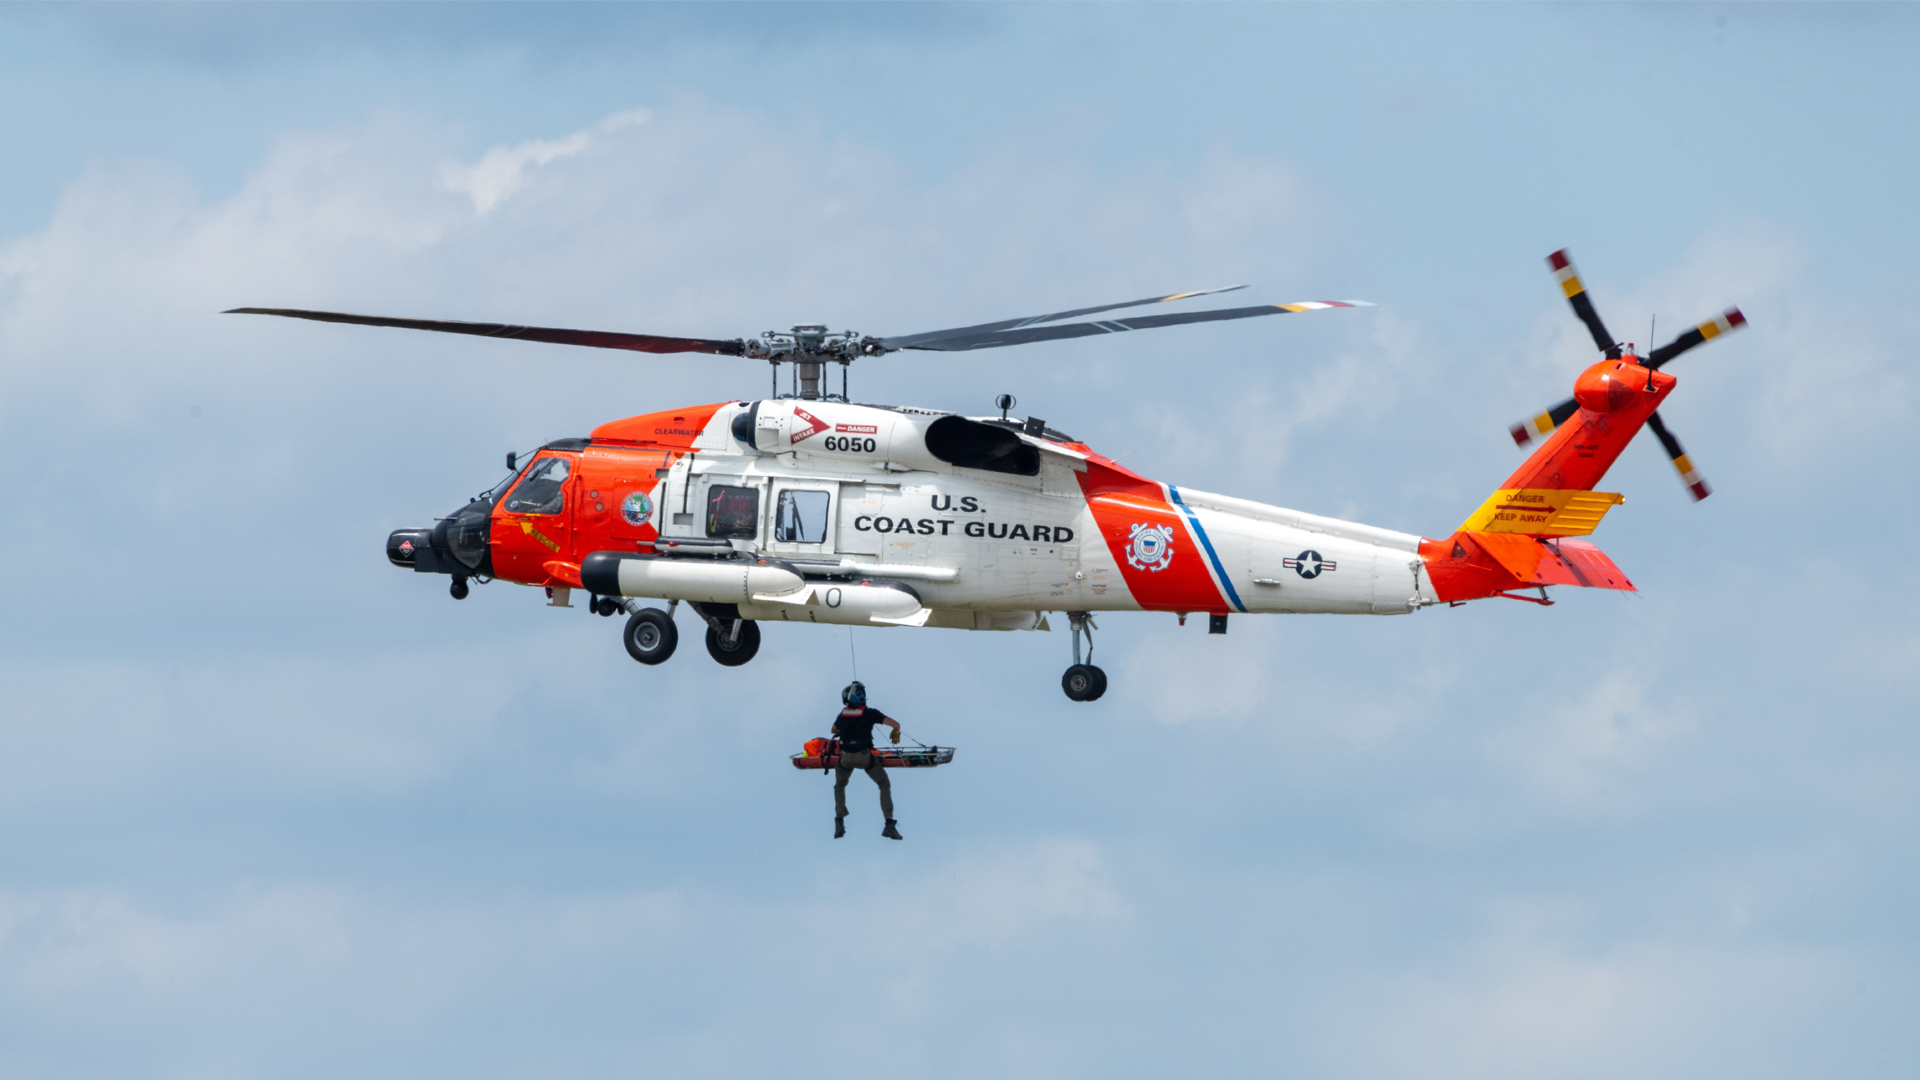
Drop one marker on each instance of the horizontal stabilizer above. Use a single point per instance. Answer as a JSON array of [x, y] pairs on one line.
[[1542, 512], [1552, 562]]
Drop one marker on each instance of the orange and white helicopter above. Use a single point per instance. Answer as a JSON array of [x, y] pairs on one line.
[[807, 507]]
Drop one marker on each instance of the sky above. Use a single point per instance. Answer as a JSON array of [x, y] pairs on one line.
[[271, 808]]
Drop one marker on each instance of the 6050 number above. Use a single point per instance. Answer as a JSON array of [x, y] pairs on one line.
[[852, 445]]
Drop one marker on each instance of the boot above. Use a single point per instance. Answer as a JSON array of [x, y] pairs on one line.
[[839, 827], [890, 832]]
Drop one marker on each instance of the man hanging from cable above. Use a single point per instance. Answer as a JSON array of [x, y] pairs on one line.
[[854, 728]]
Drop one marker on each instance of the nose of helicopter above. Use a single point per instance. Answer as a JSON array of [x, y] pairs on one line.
[[412, 549], [456, 545]]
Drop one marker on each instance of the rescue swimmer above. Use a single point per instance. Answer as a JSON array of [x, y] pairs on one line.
[[854, 728]]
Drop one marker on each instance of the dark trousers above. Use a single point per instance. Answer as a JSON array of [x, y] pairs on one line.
[[844, 772]]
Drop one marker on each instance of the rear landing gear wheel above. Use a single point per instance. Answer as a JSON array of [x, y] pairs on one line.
[[1084, 682], [650, 636], [740, 649]]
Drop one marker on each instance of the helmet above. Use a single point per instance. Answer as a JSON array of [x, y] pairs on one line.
[[854, 694]]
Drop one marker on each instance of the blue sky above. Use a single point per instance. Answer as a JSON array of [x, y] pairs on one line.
[[270, 808]]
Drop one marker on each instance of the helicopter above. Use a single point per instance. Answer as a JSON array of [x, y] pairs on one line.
[[808, 507]]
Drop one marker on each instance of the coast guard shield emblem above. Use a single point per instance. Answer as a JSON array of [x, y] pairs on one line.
[[1150, 547]]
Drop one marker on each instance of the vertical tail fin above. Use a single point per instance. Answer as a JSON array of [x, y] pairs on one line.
[[1520, 537]]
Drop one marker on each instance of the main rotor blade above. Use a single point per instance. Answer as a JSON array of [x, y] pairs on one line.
[[1569, 279], [1725, 323], [1696, 483], [598, 339], [1023, 335], [915, 341], [1524, 432]]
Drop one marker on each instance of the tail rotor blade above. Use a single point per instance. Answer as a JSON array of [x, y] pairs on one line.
[[1570, 284], [1527, 430], [1725, 323], [1696, 484]]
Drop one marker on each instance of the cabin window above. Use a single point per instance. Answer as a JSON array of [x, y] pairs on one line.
[[733, 513], [801, 517], [539, 492]]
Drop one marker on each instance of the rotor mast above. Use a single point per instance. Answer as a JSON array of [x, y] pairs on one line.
[[810, 348]]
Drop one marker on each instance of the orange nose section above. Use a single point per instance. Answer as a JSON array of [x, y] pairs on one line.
[[1612, 385]]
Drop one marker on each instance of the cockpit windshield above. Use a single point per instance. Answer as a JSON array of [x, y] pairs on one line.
[[539, 492], [500, 488]]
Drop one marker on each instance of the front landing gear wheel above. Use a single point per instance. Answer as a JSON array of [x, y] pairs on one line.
[[740, 649], [1084, 682], [650, 636]]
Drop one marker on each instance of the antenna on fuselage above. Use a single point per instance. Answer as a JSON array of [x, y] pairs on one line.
[[1006, 402], [1652, 322]]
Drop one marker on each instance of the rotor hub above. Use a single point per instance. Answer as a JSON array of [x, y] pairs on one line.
[[809, 347]]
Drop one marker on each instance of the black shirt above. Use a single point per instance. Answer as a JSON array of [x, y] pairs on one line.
[[855, 728]]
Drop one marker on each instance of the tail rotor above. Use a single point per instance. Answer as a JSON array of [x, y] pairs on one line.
[[1575, 290]]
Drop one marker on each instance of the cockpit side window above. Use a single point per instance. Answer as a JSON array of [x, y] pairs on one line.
[[539, 492], [733, 513]]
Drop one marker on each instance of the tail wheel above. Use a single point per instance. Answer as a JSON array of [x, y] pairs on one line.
[[740, 650], [650, 636]]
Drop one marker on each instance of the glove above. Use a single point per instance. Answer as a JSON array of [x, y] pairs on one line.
[[896, 736]]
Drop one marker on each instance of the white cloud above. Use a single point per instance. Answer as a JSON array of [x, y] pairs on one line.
[[1583, 742], [501, 171], [1530, 998], [260, 973]]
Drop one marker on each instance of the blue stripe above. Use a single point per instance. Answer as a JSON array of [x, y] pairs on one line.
[[1218, 570]]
